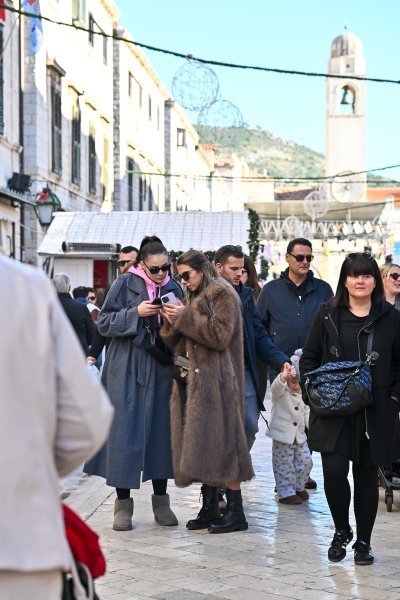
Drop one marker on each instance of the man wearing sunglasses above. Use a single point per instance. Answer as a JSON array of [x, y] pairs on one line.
[[229, 262], [127, 257], [287, 305]]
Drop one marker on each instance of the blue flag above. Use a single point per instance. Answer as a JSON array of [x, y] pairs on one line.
[[36, 26]]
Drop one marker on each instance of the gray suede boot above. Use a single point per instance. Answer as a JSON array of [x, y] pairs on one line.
[[123, 511], [162, 511]]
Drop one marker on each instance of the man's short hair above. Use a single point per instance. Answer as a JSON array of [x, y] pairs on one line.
[[300, 242], [225, 252], [128, 249], [80, 292], [62, 283]]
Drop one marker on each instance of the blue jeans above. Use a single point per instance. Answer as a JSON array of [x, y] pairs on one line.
[[251, 410]]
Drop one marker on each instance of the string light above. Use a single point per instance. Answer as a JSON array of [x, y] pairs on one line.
[[198, 59]]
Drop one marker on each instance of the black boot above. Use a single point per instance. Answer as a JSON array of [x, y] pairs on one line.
[[234, 518], [209, 512]]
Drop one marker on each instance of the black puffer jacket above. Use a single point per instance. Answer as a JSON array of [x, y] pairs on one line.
[[381, 419]]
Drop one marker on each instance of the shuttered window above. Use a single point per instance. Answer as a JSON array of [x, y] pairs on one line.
[[56, 128], [76, 142], [92, 159]]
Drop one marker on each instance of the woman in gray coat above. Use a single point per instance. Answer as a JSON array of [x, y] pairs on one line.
[[139, 445]]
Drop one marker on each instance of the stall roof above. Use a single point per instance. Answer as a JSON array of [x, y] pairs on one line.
[[93, 234]]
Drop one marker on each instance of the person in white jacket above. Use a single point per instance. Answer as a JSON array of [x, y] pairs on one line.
[[291, 457], [53, 417]]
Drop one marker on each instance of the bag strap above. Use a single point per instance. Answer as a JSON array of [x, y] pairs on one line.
[[369, 341]]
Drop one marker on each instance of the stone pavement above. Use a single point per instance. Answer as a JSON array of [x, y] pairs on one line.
[[281, 556]]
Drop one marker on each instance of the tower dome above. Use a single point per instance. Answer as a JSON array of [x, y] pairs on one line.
[[346, 44]]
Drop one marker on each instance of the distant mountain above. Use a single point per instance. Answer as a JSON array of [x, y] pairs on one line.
[[267, 154], [273, 156]]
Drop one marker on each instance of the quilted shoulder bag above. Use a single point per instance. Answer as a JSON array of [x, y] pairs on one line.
[[338, 389]]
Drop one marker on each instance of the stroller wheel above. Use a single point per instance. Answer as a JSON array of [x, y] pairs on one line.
[[389, 502]]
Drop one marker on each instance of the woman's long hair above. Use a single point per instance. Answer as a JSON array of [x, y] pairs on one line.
[[252, 280], [358, 263], [199, 262], [150, 245], [387, 268]]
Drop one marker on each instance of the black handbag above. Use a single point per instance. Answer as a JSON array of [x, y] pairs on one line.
[[180, 370], [156, 347], [338, 389]]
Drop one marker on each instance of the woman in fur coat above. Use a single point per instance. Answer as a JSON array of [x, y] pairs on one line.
[[207, 412]]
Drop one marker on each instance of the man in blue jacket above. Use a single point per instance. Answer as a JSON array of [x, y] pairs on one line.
[[287, 305], [229, 262]]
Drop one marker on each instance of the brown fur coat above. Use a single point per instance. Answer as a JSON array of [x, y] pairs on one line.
[[207, 428]]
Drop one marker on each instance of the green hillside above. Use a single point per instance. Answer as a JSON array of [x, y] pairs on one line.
[[270, 155]]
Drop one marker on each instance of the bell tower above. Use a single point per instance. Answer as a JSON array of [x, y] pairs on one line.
[[345, 110]]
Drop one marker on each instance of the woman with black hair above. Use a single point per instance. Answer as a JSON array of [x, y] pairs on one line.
[[139, 445], [370, 437]]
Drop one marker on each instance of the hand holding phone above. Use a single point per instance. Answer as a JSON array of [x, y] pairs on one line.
[[169, 298]]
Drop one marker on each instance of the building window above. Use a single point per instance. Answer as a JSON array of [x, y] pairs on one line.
[[106, 171], [76, 142], [131, 80], [130, 167], [1, 80], [56, 126], [79, 11], [91, 29], [92, 159], [150, 107], [158, 118], [105, 46], [181, 138], [142, 192]]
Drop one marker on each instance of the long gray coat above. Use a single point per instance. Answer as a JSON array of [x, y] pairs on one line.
[[139, 388], [207, 422]]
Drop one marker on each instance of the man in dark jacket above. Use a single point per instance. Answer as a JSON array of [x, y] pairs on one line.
[[288, 305], [76, 312], [229, 262]]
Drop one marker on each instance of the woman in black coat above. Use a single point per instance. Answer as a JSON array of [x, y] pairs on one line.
[[370, 437]]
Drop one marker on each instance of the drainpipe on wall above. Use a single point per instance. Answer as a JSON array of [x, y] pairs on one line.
[[21, 129]]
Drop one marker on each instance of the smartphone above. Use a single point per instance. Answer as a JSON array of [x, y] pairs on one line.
[[157, 301], [169, 298]]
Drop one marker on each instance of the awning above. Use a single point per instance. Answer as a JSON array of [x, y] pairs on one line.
[[101, 234]]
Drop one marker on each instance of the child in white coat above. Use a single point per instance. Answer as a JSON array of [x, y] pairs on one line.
[[291, 457]]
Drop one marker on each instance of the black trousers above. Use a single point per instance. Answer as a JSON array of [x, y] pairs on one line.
[[159, 489], [338, 493]]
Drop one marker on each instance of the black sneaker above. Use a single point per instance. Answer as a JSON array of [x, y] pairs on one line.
[[362, 553], [337, 549]]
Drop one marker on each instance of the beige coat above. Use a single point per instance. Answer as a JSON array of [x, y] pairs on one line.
[[207, 428], [53, 416]]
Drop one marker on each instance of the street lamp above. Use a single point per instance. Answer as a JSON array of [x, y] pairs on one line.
[[46, 203]]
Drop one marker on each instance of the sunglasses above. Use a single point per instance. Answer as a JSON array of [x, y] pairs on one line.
[[91, 297], [185, 275], [394, 276], [354, 255], [301, 257], [155, 270], [122, 263]]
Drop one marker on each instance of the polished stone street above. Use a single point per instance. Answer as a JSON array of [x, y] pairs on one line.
[[282, 555]]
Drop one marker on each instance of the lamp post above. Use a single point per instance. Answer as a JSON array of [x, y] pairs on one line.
[[46, 203]]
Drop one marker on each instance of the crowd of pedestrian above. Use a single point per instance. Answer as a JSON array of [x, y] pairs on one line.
[[186, 360]]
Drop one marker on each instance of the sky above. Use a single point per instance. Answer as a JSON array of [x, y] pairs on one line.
[[286, 34]]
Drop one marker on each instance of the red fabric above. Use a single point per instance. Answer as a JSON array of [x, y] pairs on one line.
[[84, 543], [2, 14]]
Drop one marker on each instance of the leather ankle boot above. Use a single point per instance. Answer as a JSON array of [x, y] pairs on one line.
[[209, 512], [234, 518]]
